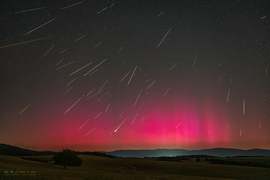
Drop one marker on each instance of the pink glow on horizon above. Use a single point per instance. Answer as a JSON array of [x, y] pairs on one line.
[[163, 126], [215, 127]]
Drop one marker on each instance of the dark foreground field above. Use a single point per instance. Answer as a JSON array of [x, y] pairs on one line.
[[93, 167]]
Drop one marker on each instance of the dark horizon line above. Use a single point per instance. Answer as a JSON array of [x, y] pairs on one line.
[[140, 149]]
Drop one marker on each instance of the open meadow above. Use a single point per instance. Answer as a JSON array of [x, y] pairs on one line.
[[94, 167]]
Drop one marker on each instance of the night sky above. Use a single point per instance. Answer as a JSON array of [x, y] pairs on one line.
[[102, 75]]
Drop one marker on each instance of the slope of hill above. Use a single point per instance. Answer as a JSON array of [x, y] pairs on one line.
[[6, 149], [94, 167]]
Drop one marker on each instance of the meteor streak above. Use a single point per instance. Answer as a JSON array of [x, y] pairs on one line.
[[30, 10], [147, 80], [74, 104], [141, 106], [134, 119], [167, 91], [25, 108], [90, 131], [80, 68], [120, 49], [83, 124], [72, 5], [94, 72], [90, 92], [179, 124], [132, 75], [59, 62], [71, 81], [103, 95], [173, 67], [164, 37], [94, 94], [107, 108], [68, 90], [244, 106], [137, 97], [124, 76], [41, 26], [194, 61], [228, 96], [102, 86], [63, 51], [48, 51], [160, 13], [219, 79], [119, 126], [97, 45], [151, 84], [112, 5], [95, 67], [121, 114], [103, 9], [65, 65], [25, 42], [80, 38], [98, 114], [112, 130]]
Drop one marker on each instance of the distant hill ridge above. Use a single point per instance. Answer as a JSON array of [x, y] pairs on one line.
[[6, 149], [219, 152]]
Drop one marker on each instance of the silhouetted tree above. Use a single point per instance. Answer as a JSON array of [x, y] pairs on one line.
[[67, 157], [198, 160]]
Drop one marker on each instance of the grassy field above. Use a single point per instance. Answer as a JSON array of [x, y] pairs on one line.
[[94, 167], [255, 160]]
